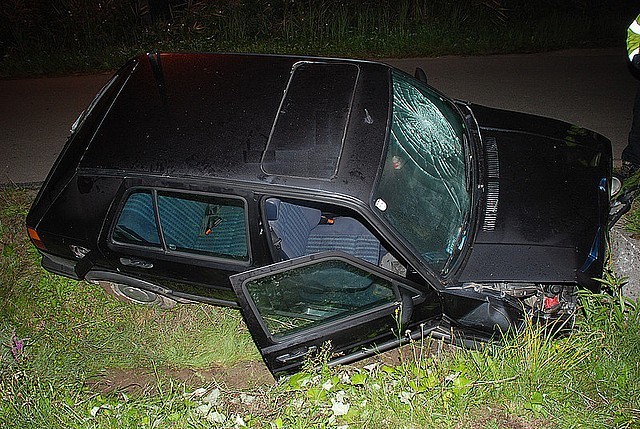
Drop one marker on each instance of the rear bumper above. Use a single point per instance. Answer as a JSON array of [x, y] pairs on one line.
[[61, 266]]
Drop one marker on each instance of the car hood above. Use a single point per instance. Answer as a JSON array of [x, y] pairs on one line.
[[543, 213]]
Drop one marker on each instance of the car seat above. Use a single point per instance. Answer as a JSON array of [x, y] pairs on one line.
[[297, 230]]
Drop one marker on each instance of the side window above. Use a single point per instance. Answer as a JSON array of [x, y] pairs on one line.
[[203, 224], [298, 229], [137, 222], [199, 224], [311, 295]]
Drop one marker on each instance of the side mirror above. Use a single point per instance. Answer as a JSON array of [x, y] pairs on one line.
[[420, 75]]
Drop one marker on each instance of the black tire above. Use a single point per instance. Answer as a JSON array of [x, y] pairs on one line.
[[136, 295]]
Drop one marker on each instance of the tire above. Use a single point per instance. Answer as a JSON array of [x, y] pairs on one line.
[[136, 295]]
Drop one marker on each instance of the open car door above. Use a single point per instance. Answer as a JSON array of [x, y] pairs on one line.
[[294, 308]]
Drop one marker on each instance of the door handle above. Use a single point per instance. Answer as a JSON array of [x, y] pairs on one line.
[[137, 263], [298, 354]]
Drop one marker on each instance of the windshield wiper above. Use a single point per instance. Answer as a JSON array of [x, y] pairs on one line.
[[458, 244]]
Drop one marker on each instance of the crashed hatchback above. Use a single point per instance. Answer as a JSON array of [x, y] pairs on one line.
[[331, 200]]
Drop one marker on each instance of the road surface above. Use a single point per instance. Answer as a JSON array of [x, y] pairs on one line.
[[591, 88]]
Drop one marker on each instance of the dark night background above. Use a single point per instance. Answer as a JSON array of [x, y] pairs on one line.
[[61, 36]]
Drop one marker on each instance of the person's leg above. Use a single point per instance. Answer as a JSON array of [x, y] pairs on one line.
[[631, 153]]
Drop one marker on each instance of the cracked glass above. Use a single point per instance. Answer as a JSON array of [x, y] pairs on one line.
[[422, 191]]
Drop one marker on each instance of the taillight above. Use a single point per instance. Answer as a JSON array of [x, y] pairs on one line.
[[35, 238]]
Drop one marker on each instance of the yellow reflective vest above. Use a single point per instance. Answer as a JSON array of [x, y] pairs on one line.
[[633, 38]]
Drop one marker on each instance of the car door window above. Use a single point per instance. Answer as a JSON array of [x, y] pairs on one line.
[[294, 307], [202, 224], [207, 225], [300, 228], [316, 294], [137, 221]]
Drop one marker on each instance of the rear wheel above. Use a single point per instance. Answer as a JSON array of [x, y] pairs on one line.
[[136, 295]]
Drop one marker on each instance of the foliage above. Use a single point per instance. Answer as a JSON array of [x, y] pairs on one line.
[[632, 221], [533, 380], [631, 186], [39, 36], [610, 308]]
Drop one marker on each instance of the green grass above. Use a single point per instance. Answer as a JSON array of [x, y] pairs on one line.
[[74, 334], [632, 221], [63, 36], [588, 379]]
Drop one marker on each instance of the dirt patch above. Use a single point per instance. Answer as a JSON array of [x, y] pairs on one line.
[[145, 381], [130, 381], [408, 353], [243, 375], [501, 419]]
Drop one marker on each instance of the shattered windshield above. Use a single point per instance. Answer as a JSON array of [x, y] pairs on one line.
[[423, 188]]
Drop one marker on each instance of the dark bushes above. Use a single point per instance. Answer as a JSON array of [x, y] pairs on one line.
[[39, 36]]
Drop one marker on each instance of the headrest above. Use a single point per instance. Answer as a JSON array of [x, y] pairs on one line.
[[272, 206]]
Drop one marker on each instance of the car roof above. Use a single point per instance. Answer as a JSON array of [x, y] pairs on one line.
[[296, 121]]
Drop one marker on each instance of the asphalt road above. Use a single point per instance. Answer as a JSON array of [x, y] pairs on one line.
[[591, 88]]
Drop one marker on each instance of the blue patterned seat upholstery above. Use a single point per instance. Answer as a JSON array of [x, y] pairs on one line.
[[348, 235], [292, 224], [300, 233]]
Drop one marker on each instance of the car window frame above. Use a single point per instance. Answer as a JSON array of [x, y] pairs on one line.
[[397, 282], [320, 202], [162, 250]]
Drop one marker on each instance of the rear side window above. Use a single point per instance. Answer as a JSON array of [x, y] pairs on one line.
[[137, 221], [203, 224], [198, 224]]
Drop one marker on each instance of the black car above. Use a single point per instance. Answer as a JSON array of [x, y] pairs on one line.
[[331, 200]]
